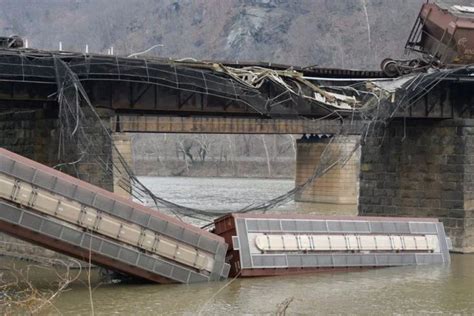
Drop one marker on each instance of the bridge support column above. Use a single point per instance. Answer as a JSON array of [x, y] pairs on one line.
[[99, 148], [35, 134], [423, 168], [123, 143], [30, 133], [337, 191]]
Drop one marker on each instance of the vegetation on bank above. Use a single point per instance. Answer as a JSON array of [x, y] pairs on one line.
[[193, 155]]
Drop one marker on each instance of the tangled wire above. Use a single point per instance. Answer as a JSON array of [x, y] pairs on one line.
[[372, 103]]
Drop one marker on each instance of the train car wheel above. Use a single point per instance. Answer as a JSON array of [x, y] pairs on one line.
[[390, 67]]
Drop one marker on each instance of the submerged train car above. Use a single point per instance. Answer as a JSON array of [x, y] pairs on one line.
[[262, 245], [49, 208], [44, 206]]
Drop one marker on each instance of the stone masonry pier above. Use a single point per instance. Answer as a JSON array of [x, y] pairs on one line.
[[336, 192], [35, 134], [422, 168]]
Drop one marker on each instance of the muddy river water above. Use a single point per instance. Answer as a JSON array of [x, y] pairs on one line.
[[405, 290]]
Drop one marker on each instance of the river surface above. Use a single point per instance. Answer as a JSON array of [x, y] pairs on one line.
[[436, 289], [220, 194]]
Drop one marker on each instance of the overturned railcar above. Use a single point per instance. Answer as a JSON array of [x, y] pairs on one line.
[[443, 35], [262, 245], [62, 213], [49, 208], [445, 32]]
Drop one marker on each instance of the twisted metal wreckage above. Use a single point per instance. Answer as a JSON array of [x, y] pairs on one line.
[[271, 91]]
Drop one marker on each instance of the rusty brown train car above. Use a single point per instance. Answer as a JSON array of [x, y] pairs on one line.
[[445, 32], [443, 36]]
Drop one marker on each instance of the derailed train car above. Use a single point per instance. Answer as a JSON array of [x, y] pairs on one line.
[[443, 35], [54, 210], [49, 208], [263, 245]]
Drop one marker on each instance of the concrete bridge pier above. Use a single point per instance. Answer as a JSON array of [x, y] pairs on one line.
[[422, 168], [123, 144], [336, 192]]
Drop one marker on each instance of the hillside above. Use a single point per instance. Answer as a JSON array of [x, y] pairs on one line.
[[303, 32]]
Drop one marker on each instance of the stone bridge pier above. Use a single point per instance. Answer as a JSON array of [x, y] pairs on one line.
[[337, 191], [422, 168], [35, 134]]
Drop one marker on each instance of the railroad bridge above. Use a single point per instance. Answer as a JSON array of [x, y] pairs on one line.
[[420, 162]]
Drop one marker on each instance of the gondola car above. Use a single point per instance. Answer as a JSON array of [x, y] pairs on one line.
[[443, 36]]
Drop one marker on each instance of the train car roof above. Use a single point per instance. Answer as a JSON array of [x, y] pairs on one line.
[[456, 9]]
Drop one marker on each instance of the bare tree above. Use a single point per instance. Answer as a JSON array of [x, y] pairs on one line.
[[247, 140], [21, 296], [284, 145], [184, 147], [364, 6], [269, 166], [205, 145], [231, 152]]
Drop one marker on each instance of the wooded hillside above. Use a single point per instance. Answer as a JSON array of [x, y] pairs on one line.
[[341, 33]]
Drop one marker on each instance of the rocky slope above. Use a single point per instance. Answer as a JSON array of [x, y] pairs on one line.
[[303, 32]]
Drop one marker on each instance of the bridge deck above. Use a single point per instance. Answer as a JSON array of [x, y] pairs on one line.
[[47, 207], [185, 88]]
